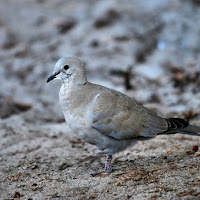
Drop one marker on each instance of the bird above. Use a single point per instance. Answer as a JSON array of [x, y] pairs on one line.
[[108, 119]]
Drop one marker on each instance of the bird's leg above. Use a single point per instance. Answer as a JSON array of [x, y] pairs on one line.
[[108, 166]]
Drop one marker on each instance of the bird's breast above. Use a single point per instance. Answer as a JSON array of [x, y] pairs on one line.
[[75, 110]]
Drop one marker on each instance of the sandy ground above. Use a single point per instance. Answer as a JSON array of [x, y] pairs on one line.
[[149, 50]]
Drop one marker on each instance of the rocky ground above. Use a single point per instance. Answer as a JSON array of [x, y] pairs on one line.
[[149, 50]]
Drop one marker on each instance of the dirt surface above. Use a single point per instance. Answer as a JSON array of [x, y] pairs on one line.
[[149, 50]]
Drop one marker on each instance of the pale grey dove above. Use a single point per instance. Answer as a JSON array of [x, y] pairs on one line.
[[106, 118]]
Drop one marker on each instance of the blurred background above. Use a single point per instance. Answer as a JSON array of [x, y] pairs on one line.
[[149, 50]]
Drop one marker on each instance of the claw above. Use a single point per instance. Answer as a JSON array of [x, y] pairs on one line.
[[107, 169]]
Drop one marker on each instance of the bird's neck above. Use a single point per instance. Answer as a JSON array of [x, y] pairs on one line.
[[75, 80]]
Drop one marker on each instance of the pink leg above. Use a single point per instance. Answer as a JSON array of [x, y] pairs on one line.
[[108, 166]]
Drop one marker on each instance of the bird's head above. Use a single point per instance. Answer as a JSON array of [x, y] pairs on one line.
[[69, 69]]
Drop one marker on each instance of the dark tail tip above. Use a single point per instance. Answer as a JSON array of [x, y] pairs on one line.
[[176, 124]]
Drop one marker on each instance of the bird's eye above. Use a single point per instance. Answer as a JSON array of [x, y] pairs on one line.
[[66, 67]]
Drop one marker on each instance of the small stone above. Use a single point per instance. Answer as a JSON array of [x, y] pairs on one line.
[[195, 148], [93, 195], [197, 153], [123, 178], [32, 184], [189, 152], [117, 184], [179, 75], [33, 166], [63, 166], [17, 195]]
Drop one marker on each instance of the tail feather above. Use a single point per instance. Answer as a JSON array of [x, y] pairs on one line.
[[176, 125], [191, 130]]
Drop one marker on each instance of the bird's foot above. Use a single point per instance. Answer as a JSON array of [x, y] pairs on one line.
[[107, 169]]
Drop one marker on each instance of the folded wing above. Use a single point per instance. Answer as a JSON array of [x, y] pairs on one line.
[[118, 116]]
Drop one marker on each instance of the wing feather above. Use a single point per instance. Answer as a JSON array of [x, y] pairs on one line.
[[118, 116]]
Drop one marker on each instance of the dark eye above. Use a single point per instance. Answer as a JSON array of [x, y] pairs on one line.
[[66, 67]]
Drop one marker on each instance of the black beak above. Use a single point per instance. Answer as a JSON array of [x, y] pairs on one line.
[[52, 76]]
